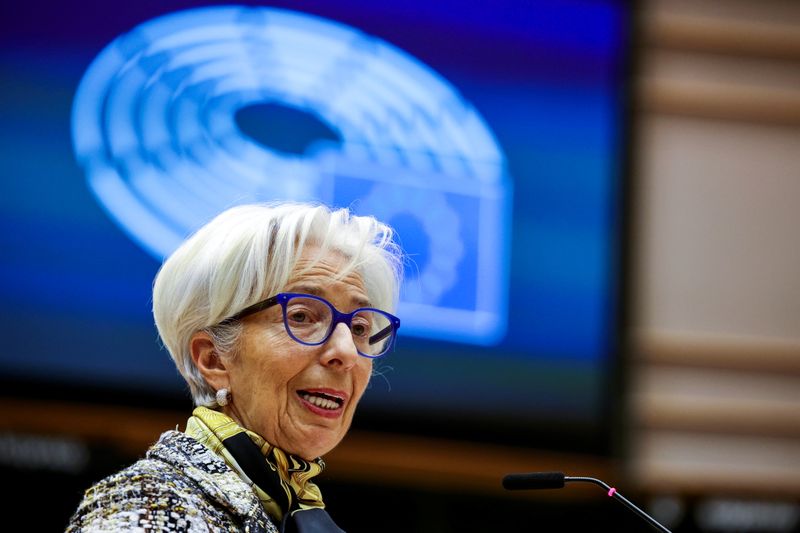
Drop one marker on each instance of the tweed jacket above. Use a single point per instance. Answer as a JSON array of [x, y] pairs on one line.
[[180, 485]]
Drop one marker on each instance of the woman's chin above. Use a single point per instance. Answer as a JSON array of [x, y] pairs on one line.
[[313, 436], [316, 442]]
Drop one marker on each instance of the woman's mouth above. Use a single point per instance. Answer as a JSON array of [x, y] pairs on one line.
[[328, 403]]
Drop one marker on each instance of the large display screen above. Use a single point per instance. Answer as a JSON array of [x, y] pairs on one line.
[[489, 134]]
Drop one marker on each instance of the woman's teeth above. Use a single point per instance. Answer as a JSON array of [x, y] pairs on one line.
[[320, 402]]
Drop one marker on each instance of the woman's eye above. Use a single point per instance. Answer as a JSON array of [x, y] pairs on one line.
[[301, 315], [359, 330], [298, 316]]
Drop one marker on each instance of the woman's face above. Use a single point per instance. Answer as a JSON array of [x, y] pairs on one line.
[[300, 398]]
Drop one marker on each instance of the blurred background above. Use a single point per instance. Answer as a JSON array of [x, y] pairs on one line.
[[624, 280]]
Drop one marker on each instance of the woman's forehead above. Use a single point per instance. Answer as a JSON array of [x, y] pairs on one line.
[[326, 275]]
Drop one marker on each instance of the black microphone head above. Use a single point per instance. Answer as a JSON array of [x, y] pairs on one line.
[[534, 480]]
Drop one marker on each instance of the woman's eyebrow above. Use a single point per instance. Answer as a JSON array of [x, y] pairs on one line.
[[361, 302], [316, 290]]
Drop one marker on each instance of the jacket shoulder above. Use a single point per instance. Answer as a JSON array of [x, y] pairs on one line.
[[177, 487]]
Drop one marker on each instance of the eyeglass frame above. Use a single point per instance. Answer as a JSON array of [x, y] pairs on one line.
[[337, 317]]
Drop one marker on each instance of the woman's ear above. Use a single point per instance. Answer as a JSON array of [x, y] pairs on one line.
[[208, 361]]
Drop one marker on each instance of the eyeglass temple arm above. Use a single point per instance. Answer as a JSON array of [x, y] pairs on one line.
[[382, 334], [385, 332], [255, 308]]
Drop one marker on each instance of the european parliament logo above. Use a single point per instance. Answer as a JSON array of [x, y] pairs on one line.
[[154, 128]]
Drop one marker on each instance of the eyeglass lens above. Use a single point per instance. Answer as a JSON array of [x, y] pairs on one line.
[[309, 321]]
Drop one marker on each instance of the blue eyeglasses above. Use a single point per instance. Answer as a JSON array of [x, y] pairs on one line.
[[310, 320]]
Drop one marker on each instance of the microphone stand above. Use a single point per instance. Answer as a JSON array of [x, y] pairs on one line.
[[556, 480], [612, 492]]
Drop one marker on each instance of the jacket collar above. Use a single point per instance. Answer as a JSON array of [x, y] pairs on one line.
[[215, 478]]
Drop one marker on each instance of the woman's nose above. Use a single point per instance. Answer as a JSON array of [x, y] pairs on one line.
[[339, 349]]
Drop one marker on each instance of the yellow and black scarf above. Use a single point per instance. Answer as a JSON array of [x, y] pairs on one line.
[[281, 481]]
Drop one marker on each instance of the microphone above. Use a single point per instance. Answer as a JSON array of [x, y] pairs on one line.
[[534, 480], [556, 480]]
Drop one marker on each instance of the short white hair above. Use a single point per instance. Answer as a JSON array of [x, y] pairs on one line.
[[246, 254]]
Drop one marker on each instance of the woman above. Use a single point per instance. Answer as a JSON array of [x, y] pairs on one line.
[[272, 314]]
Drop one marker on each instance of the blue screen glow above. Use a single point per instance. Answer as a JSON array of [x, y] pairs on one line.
[[490, 134], [154, 127]]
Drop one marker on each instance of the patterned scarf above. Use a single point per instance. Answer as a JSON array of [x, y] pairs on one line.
[[281, 481]]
